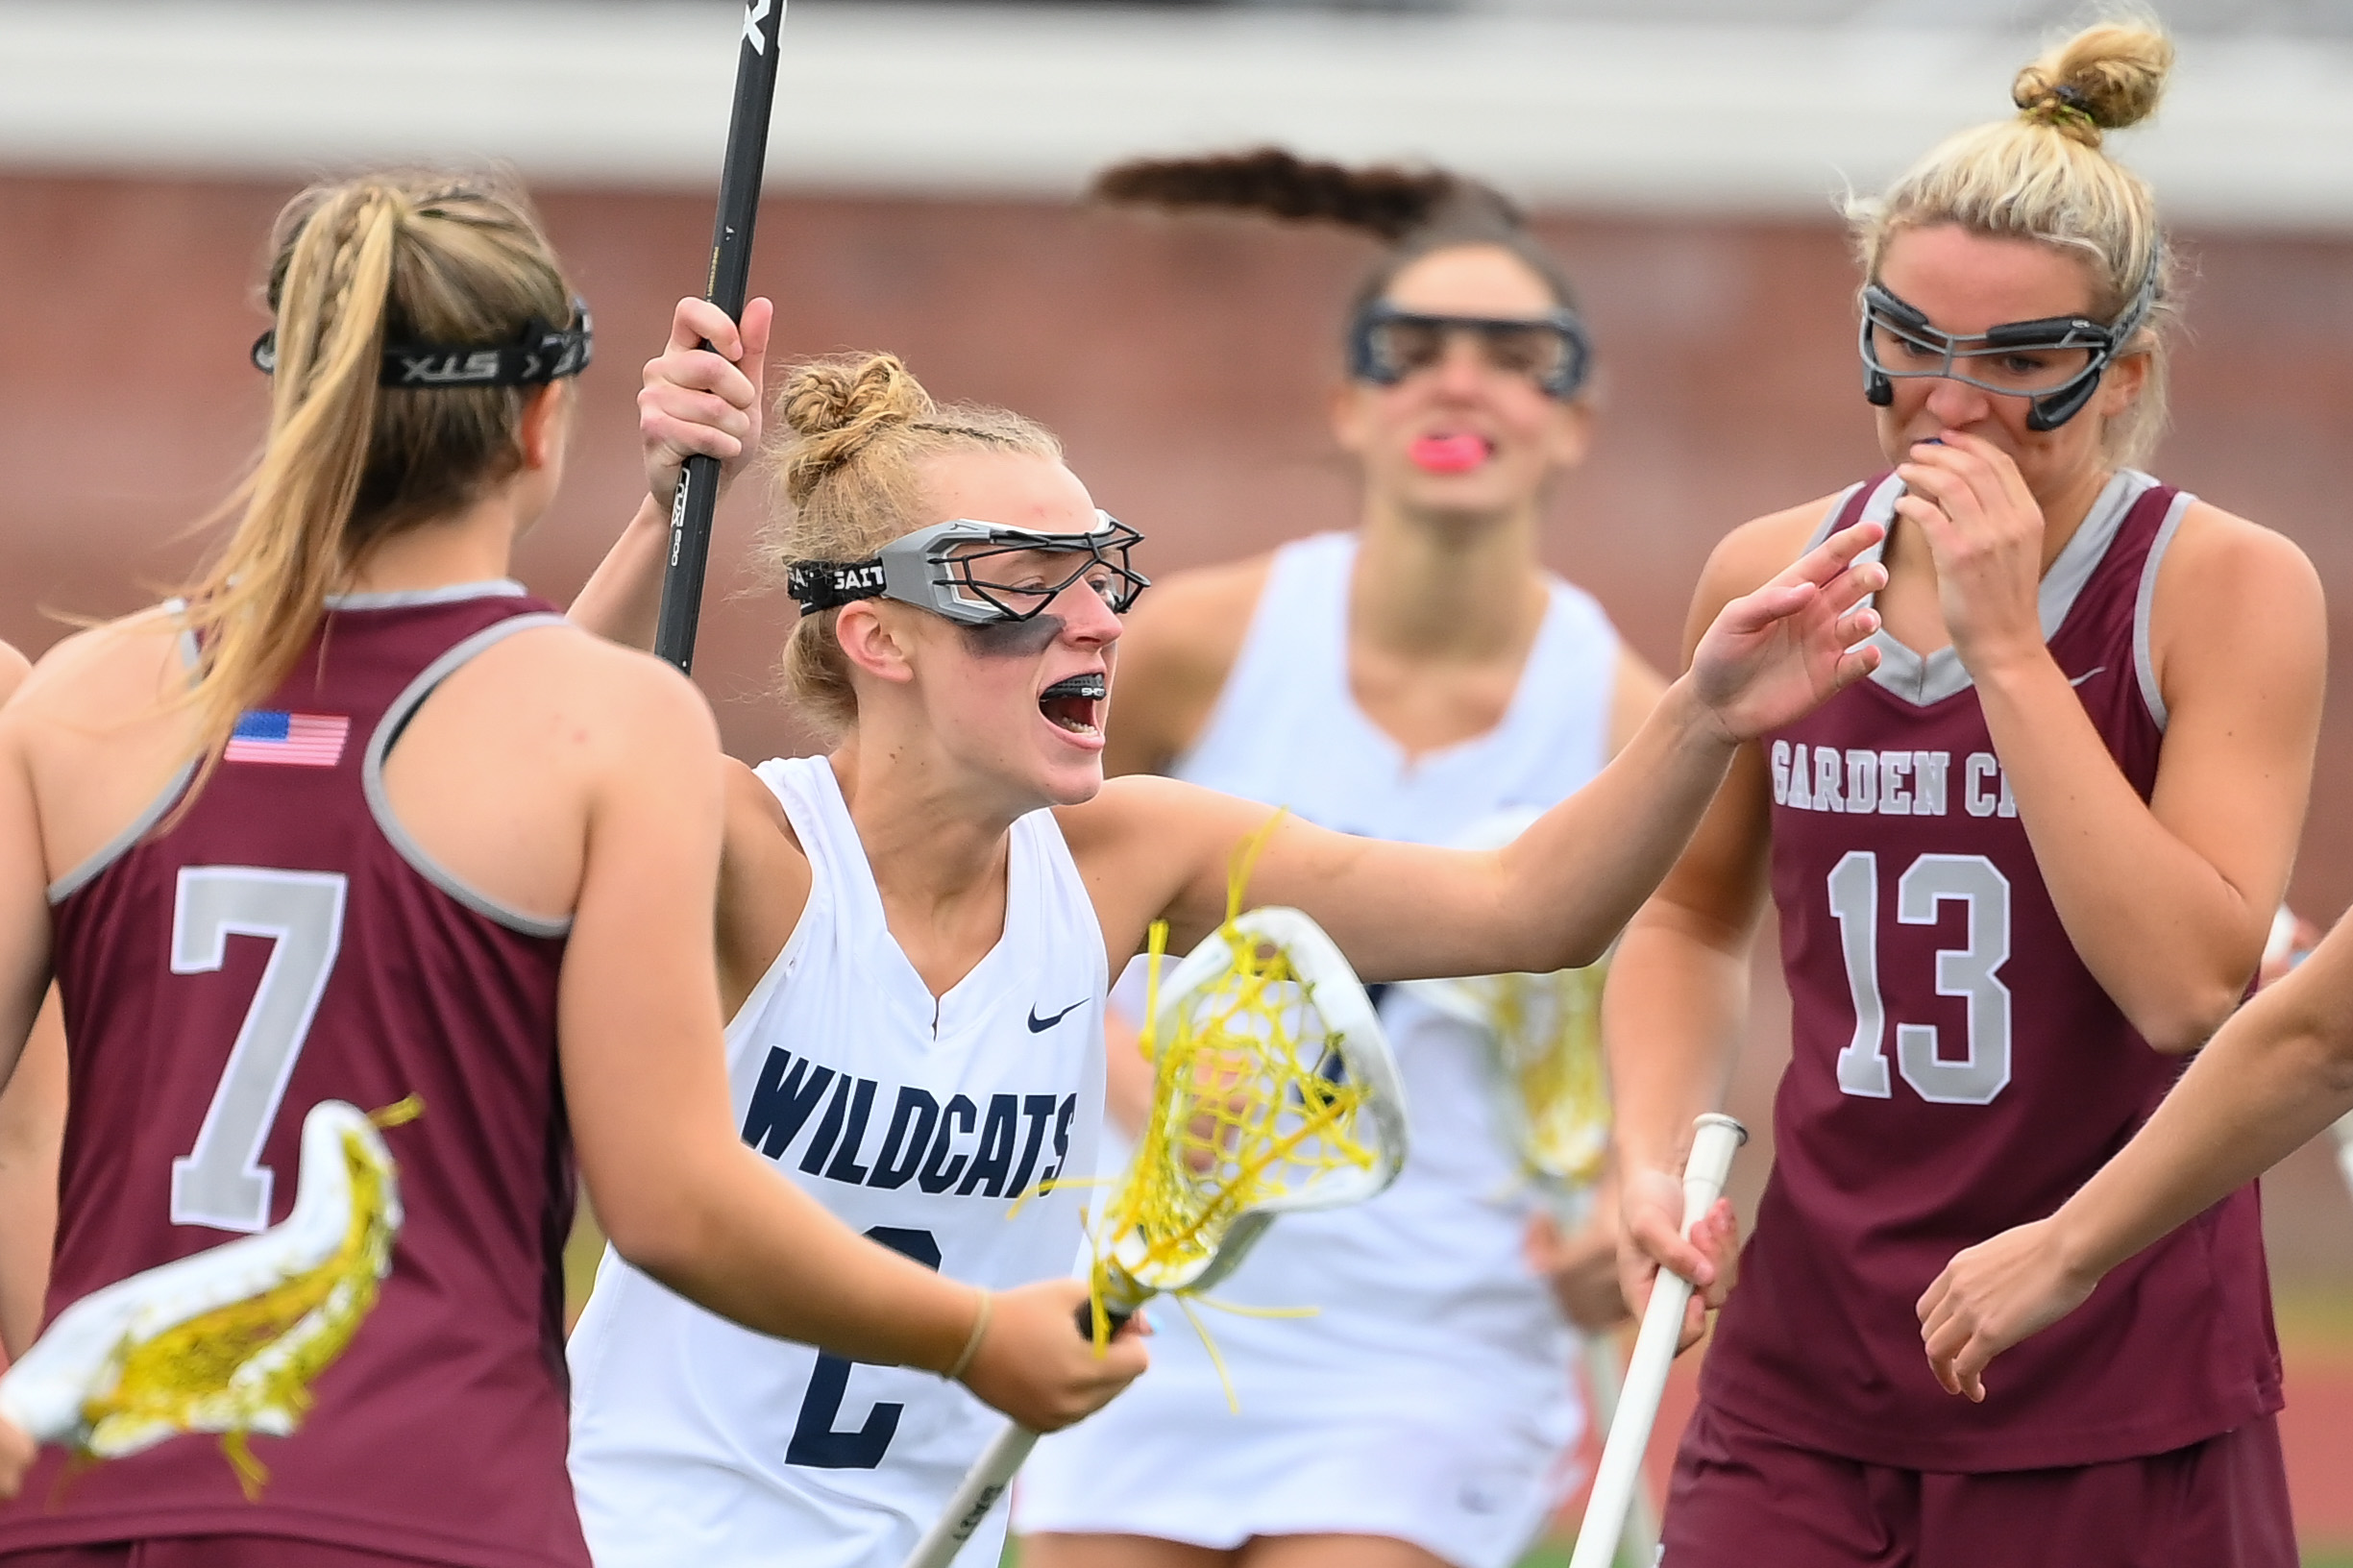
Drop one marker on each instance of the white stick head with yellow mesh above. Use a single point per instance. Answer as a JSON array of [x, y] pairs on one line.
[[1551, 1088], [1274, 1093], [228, 1339]]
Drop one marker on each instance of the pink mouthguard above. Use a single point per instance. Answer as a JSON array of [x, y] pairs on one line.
[[1448, 454]]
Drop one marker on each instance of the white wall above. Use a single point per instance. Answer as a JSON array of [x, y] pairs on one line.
[[982, 99]]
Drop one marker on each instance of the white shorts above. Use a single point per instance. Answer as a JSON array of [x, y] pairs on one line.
[[1467, 1469]]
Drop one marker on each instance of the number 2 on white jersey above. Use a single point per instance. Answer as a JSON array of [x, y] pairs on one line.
[[1970, 972], [222, 1182]]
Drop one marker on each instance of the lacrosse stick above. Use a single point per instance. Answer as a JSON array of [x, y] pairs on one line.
[[228, 1339], [739, 207], [1551, 1099], [1273, 1093], [1712, 1147]]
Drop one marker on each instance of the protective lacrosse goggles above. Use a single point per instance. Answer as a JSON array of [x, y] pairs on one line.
[[538, 354], [2055, 363], [1387, 344], [961, 569]]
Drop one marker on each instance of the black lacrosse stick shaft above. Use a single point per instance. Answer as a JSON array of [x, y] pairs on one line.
[[739, 208]]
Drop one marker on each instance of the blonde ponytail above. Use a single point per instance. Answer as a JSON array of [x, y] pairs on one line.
[[347, 463], [2043, 174]]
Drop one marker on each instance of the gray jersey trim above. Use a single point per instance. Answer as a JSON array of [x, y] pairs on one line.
[[1924, 680], [73, 881], [454, 593], [2144, 659], [380, 745]]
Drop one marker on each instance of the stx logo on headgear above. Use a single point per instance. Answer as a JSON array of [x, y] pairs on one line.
[[450, 369], [755, 11]]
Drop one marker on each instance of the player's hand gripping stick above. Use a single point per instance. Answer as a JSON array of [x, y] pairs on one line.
[[990, 1473], [1712, 1148], [739, 205]]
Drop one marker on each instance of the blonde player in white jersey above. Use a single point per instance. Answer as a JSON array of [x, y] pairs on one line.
[[1410, 680], [915, 931]]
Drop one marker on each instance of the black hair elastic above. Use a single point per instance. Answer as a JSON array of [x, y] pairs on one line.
[[538, 354]]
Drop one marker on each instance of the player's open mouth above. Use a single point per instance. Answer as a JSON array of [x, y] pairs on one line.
[[1457, 453], [1075, 704]]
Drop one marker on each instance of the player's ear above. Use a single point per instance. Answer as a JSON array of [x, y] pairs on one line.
[[547, 421], [874, 641]]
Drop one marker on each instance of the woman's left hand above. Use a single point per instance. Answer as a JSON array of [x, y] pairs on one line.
[[1582, 1269], [1993, 1295], [1774, 656], [1985, 533]]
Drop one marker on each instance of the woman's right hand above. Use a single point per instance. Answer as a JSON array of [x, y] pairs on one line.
[[1652, 1237], [16, 1450], [703, 392], [1034, 1366]]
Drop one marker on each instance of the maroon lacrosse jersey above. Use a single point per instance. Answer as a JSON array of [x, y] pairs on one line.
[[1957, 1070], [283, 942]]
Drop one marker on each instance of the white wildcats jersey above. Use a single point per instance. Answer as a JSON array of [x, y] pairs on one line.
[[696, 1441]]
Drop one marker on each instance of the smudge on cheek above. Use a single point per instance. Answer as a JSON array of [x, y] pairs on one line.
[[1012, 639]]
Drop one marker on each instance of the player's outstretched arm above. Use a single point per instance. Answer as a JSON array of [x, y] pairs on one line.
[[646, 1086], [2275, 1075], [696, 400], [1558, 895]]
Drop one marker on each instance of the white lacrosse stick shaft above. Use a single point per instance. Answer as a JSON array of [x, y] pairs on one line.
[[1619, 1471], [1639, 1542], [2342, 1128], [983, 1484]]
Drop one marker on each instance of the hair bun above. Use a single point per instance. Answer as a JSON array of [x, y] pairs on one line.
[[835, 407], [1387, 202], [2105, 78]]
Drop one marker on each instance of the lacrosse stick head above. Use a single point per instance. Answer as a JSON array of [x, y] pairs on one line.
[[1545, 1066], [1274, 1092], [228, 1339]]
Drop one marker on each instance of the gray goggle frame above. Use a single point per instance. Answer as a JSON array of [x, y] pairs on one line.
[[925, 569]]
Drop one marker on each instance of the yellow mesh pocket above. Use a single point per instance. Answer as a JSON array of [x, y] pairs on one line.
[[1273, 1091], [1547, 1049], [228, 1340]]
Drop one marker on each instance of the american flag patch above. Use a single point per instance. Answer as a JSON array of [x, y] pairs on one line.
[[291, 739]]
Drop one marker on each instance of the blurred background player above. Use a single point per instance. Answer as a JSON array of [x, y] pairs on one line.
[[31, 1118], [362, 809], [1411, 679], [2019, 873], [924, 921]]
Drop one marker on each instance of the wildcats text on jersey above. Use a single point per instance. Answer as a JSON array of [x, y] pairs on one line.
[[1887, 783], [957, 1147]]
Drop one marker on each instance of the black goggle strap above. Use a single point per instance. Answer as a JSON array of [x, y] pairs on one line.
[[828, 585], [538, 354], [1365, 363]]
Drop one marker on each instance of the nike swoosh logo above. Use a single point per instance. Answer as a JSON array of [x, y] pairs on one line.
[[1038, 1025], [2088, 675]]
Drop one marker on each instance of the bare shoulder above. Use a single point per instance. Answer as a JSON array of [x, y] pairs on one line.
[[14, 668], [602, 692], [1124, 811], [100, 669], [2232, 589], [1177, 650], [1759, 550]]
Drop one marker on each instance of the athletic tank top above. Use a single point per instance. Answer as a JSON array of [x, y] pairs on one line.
[[1957, 1070], [281, 942], [917, 1122], [1443, 1244]]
